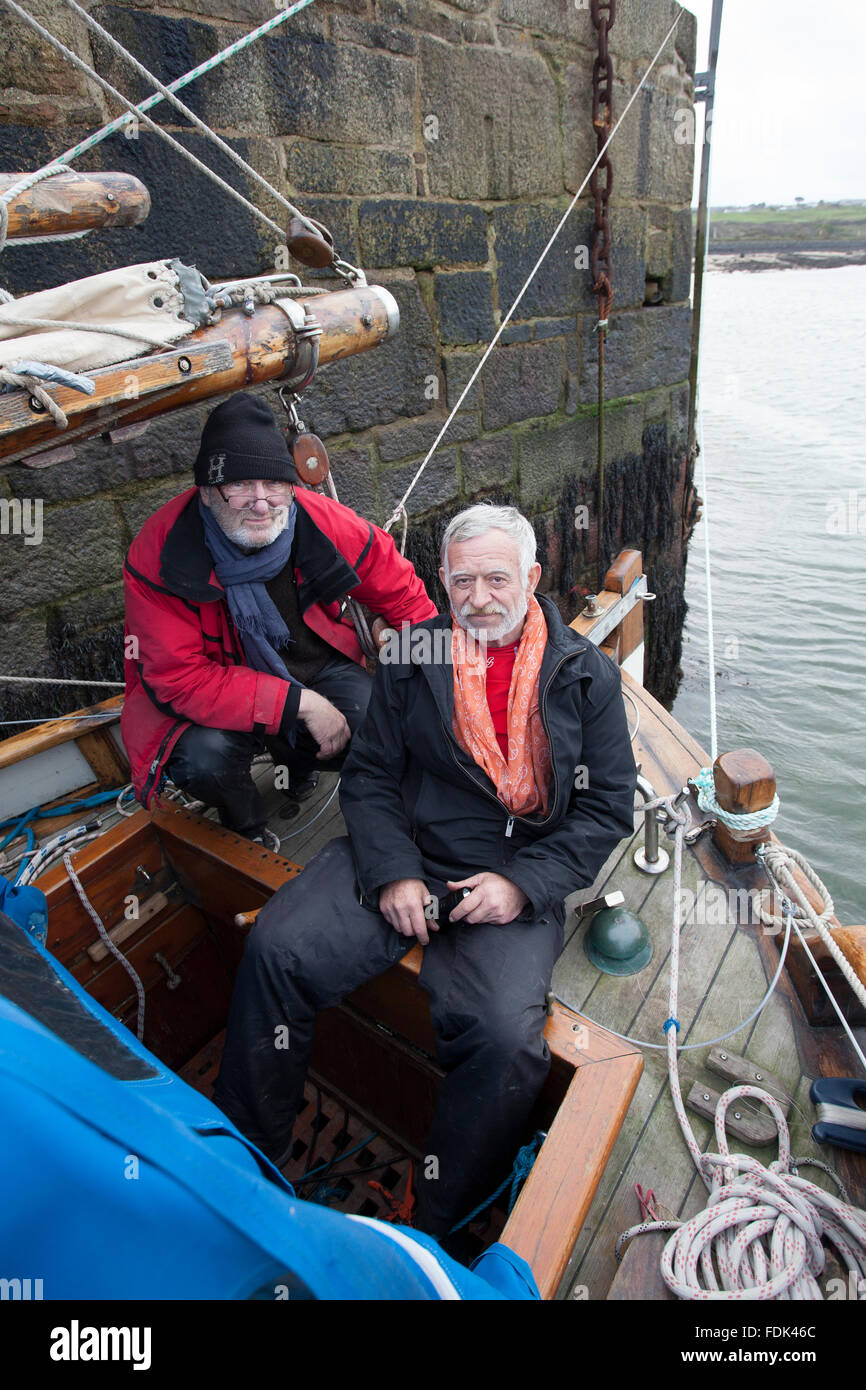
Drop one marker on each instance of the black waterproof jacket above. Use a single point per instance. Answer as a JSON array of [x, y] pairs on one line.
[[417, 806]]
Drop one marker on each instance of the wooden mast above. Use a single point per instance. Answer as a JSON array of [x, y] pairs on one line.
[[237, 352], [75, 203]]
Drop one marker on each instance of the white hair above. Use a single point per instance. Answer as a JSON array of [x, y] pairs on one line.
[[484, 517]]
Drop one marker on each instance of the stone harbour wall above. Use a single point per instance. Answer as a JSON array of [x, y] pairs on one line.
[[441, 141]]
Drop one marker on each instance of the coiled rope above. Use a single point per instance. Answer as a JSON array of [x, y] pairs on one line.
[[759, 1237], [741, 820]]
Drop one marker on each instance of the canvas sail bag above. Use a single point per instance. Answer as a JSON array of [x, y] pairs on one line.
[[163, 299]]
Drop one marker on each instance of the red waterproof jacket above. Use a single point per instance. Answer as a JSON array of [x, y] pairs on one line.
[[184, 660]]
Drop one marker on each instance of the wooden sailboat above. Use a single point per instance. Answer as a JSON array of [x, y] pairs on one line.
[[604, 1109], [199, 887]]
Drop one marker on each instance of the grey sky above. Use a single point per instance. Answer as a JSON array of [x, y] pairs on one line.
[[789, 99]]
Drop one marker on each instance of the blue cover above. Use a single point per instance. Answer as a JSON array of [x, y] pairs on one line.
[[26, 906], [143, 1189]]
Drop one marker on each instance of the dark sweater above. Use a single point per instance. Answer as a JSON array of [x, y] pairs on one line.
[[307, 653]]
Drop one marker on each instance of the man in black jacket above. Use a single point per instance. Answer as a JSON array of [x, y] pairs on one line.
[[495, 764]]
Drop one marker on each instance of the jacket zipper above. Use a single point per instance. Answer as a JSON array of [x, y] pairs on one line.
[[512, 818]]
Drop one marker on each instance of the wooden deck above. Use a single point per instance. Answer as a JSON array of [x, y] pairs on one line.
[[724, 971]]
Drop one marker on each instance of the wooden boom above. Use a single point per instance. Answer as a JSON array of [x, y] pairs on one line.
[[237, 352], [75, 203]]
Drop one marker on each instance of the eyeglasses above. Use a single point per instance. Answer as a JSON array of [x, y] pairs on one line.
[[238, 494]]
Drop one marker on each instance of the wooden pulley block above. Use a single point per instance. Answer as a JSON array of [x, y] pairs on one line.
[[310, 243], [310, 458]]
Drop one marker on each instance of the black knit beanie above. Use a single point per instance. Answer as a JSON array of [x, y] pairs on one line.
[[241, 441]]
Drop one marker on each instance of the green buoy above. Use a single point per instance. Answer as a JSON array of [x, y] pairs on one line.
[[618, 942]]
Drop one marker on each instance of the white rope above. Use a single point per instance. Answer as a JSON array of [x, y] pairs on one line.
[[626, 695], [179, 105], [778, 861], [137, 336], [61, 718], [48, 171], [55, 680], [118, 954], [119, 806], [49, 852], [75, 151], [58, 236], [28, 382], [846, 1115], [677, 816], [708, 580], [314, 818], [401, 505], [759, 1237], [137, 111], [831, 996]]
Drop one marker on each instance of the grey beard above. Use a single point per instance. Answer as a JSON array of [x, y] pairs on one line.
[[510, 620], [232, 524]]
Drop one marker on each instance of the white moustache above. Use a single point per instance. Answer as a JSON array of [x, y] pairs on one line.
[[489, 610]]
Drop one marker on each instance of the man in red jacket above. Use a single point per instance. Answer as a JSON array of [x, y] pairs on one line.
[[235, 635]]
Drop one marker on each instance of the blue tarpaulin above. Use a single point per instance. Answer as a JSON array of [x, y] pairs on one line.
[[142, 1189]]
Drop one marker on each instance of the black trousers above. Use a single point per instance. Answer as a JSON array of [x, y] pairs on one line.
[[313, 943], [213, 765]]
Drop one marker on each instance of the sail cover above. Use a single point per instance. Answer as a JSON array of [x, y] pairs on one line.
[[161, 300]]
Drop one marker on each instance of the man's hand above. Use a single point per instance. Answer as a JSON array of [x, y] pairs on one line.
[[324, 722], [402, 904], [492, 899], [381, 632]]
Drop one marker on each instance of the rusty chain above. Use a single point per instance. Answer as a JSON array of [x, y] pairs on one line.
[[603, 14]]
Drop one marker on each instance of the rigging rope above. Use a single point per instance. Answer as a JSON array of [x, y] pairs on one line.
[[778, 861], [185, 110], [711, 641], [401, 505], [137, 111], [56, 165], [56, 680]]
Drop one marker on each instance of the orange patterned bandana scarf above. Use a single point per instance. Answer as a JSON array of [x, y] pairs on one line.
[[522, 782]]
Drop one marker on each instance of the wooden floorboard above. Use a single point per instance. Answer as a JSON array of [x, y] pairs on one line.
[[315, 824]]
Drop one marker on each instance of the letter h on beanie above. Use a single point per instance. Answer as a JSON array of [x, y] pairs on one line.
[[241, 440]]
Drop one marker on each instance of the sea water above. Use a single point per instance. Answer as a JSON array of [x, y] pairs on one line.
[[783, 392]]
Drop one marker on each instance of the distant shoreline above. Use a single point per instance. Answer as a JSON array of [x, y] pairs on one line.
[[793, 256]]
